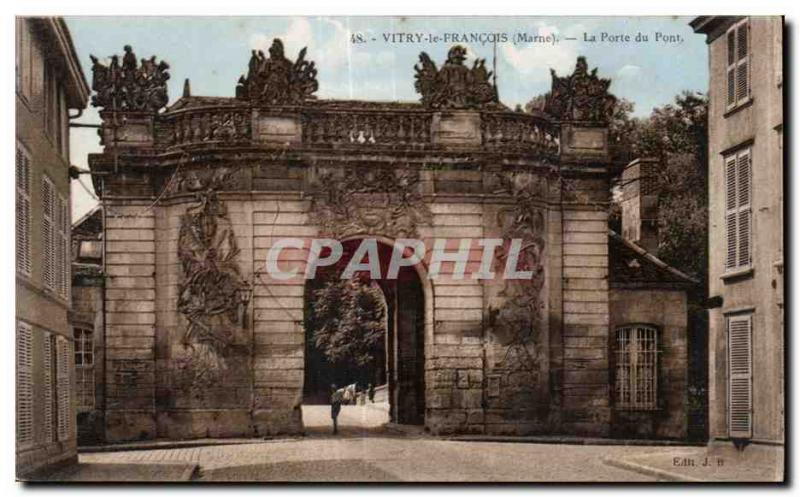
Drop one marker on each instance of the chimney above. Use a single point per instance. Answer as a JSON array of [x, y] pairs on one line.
[[640, 204]]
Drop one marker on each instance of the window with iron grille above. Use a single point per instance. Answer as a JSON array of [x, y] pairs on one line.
[[636, 369], [738, 214], [738, 64], [84, 367]]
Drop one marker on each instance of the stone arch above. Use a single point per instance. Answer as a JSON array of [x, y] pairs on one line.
[[420, 272]]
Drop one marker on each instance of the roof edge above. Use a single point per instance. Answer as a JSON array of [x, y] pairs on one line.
[[650, 257], [86, 216], [76, 85]]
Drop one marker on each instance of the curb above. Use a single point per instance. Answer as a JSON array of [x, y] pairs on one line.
[[572, 441], [177, 444], [188, 473], [649, 471]]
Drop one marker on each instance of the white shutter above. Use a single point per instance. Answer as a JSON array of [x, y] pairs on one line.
[[24, 384], [743, 175], [731, 68], [58, 250], [48, 232], [738, 64], [730, 212], [740, 390], [47, 354], [738, 214], [61, 263], [65, 248], [63, 366], [742, 62], [23, 211]]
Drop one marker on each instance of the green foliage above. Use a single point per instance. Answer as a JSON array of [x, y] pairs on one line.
[[348, 321], [676, 135]]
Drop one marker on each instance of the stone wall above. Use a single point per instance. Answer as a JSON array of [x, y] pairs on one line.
[[130, 321], [585, 309], [756, 124], [501, 356], [87, 312], [666, 310]]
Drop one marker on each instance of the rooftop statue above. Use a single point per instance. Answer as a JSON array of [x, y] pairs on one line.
[[130, 87], [276, 79], [454, 86], [581, 96]]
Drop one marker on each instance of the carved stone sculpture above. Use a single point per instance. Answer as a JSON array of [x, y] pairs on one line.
[[581, 96], [515, 324], [369, 201], [213, 296], [454, 86], [276, 80], [131, 87]]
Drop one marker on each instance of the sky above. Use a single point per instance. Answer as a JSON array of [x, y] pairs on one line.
[[372, 58]]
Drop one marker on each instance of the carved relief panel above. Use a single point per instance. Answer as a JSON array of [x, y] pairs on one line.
[[210, 354]]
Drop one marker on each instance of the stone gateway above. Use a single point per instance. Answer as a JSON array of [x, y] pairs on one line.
[[200, 341]]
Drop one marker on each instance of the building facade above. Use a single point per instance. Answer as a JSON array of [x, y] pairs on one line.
[[87, 325], [201, 340], [49, 83], [745, 172]]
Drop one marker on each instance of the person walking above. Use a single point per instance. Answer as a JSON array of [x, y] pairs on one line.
[[336, 407], [371, 392]]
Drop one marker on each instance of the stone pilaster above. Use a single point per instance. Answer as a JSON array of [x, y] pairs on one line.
[[130, 321]]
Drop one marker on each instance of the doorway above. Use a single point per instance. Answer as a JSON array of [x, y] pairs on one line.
[[364, 331]]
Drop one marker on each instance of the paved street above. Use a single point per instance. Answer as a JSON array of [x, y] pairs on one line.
[[366, 451], [355, 419], [386, 458]]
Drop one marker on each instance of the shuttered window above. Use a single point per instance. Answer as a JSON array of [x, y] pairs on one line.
[[62, 248], [23, 210], [738, 64], [636, 368], [49, 209], [740, 370], [49, 387], [738, 212], [24, 384], [25, 57], [63, 367], [55, 239]]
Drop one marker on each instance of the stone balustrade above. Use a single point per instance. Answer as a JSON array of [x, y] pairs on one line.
[[322, 124], [519, 131], [214, 125], [367, 128]]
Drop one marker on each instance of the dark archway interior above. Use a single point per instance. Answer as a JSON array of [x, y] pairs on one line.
[[399, 362]]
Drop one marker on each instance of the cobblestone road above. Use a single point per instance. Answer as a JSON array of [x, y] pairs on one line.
[[369, 453]]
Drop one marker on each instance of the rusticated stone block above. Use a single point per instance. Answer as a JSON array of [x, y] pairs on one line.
[[440, 378], [468, 399], [129, 425], [205, 424], [475, 416], [269, 422], [439, 399]]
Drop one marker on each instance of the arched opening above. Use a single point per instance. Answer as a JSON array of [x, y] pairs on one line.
[[375, 335]]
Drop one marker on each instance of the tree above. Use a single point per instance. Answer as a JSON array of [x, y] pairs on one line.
[[676, 135], [348, 320]]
